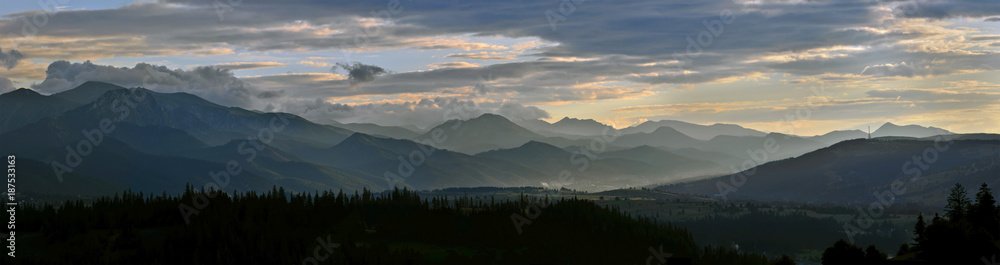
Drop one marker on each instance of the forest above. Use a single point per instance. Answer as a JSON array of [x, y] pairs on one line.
[[967, 233], [392, 227]]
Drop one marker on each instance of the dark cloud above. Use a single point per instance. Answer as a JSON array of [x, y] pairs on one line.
[[216, 85], [10, 58], [950, 9], [992, 19], [358, 73], [270, 94], [6, 85]]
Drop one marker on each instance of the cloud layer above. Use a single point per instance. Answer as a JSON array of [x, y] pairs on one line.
[[593, 53]]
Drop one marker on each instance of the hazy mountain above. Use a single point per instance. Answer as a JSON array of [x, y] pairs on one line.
[[37, 178], [164, 140], [536, 125], [157, 159], [839, 136], [916, 131], [112, 160], [374, 157], [153, 135], [728, 161], [285, 169], [667, 162], [156, 140], [661, 137], [209, 122], [413, 128], [850, 172], [589, 171], [483, 133], [379, 130], [584, 127], [784, 146], [23, 106], [86, 92], [701, 132]]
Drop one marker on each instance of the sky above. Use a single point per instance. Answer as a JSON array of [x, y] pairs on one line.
[[799, 67]]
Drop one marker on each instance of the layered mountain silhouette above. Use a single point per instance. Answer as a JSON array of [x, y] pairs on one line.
[[99, 138], [696, 131], [916, 131], [852, 172]]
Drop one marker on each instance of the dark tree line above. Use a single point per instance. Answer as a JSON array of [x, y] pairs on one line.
[[968, 233], [393, 227]]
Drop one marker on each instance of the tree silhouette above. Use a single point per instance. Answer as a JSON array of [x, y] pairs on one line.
[[843, 252], [958, 203]]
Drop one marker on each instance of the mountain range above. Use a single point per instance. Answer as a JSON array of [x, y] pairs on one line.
[[859, 172], [99, 137]]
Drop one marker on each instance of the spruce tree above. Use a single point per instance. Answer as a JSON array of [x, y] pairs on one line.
[[958, 203]]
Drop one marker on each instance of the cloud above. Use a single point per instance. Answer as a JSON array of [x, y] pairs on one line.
[[453, 65], [482, 56], [462, 46], [270, 94], [422, 112], [949, 9], [6, 85], [315, 64], [516, 111], [901, 69], [992, 19], [212, 52], [359, 73], [641, 32], [985, 38], [247, 65], [10, 58], [604, 51], [214, 84]]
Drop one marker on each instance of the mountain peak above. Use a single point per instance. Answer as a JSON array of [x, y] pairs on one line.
[[913, 130], [358, 137], [535, 144], [665, 129], [575, 120], [490, 116], [21, 92], [96, 83], [532, 150], [87, 92]]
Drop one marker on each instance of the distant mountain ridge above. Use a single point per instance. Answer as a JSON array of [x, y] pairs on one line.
[[484, 133], [916, 131], [850, 172], [701, 132], [161, 141]]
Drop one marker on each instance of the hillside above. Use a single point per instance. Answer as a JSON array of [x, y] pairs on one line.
[[850, 172]]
